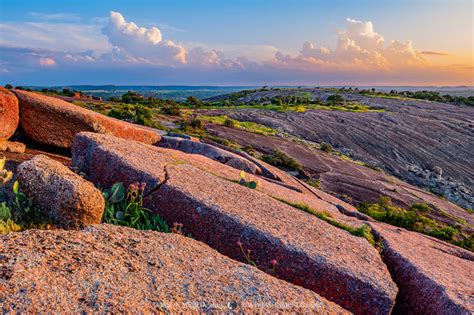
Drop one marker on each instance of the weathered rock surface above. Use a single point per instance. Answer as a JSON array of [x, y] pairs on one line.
[[96, 155], [106, 268], [52, 121], [351, 181], [341, 267], [12, 147], [194, 147], [409, 132], [67, 198], [8, 114], [433, 277], [15, 159]]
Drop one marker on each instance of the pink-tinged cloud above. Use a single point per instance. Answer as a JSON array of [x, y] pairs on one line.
[[359, 48], [47, 62], [361, 56]]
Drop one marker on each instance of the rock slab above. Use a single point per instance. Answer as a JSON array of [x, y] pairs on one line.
[[8, 114], [218, 154], [67, 198], [52, 121], [309, 252], [110, 269], [433, 277], [12, 147]]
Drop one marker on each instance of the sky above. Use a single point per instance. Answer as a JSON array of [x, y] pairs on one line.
[[246, 42]]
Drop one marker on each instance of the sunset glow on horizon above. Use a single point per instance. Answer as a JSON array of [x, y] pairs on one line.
[[117, 43]]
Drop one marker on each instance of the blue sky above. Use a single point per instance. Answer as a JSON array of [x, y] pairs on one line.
[[65, 41]]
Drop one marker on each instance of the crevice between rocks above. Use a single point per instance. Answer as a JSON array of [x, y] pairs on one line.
[[160, 184]]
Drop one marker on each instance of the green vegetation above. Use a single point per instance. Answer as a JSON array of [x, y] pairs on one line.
[[125, 207], [326, 147], [136, 98], [138, 114], [5, 175], [244, 125], [314, 182], [422, 95], [282, 160], [21, 214], [244, 182], [7, 224], [414, 219], [363, 231], [335, 99], [194, 102], [298, 102], [354, 107]]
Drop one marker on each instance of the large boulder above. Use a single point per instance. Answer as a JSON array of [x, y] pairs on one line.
[[218, 154], [433, 277], [284, 241], [67, 198], [110, 269], [52, 121], [8, 114]]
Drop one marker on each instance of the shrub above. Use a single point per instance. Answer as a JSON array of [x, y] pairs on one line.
[[281, 159], [171, 109], [125, 207], [138, 114], [132, 97], [229, 123], [196, 123], [335, 99], [194, 102], [414, 220], [68, 92], [326, 147]]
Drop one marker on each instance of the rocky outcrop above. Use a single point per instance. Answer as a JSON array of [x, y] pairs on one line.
[[433, 277], [194, 147], [69, 200], [406, 132], [109, 269], [8, 114], [450, 189], [52, 121], [12, 147], [356, 183], [243, 223]]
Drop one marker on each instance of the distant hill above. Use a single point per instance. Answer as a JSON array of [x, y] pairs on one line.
[[181, 92]]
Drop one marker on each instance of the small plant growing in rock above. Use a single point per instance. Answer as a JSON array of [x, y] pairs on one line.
[[273, 264], [6, 222], [26, 213], [247, 254], [125, 207], [244, 182]]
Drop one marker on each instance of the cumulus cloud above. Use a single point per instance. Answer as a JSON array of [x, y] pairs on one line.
[[142, 44], [115, 48], [359, 47]]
